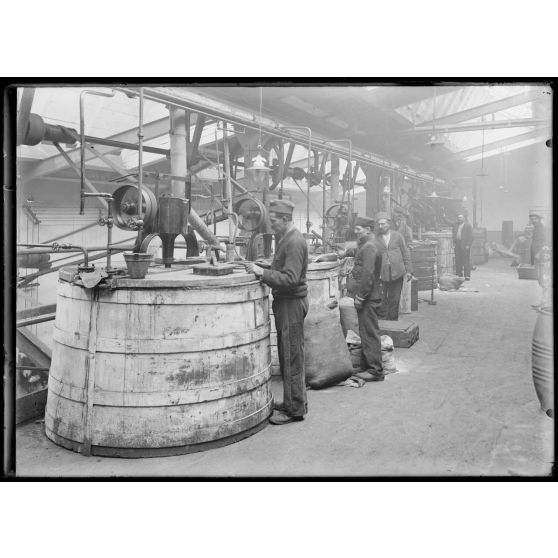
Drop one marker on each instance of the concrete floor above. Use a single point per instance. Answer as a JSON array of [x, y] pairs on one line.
[[463, 403]]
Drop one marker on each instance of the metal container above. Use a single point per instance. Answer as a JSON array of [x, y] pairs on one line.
[[445, 254], [173, 363], [323, 289], [137, 264], [542, 362], [423, 257]]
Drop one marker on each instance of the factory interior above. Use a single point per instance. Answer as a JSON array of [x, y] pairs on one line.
[[146, 347]]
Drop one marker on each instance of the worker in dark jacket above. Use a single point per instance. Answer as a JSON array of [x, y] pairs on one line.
[[365, 287], [538, 237], [396, 266], [462, 241], [287, 279]]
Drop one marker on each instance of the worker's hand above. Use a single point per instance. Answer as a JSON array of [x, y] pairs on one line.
[[341, 253], [409, 276], [251, 267], [359, 302]]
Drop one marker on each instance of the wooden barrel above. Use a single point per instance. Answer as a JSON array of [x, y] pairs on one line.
[[169, 364], [445, 255], [423, 258], [479, 254], [323, 289], [542, 362]]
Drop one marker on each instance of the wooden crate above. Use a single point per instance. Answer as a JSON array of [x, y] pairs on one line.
[[403, 332], [526, 271]]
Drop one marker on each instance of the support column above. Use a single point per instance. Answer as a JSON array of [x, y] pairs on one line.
[[334, 192], [372, 190], [178, 150]]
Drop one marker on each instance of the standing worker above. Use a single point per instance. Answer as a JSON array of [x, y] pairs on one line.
[[462, 241], [538, 237], [364, 285], [404, 229], [396, 266], [287, 278]]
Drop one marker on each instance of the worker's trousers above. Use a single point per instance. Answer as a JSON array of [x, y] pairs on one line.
[[391, 295], [462, 260], [289, 321], [369, 331]]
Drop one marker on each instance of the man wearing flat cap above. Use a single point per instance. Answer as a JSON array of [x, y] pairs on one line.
[[538, 236], [287, 279], [364, 285], [396, 265]]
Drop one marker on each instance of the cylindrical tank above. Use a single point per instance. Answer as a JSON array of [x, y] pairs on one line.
[[423, 258], [543, 360], [169, 364], [323, 288], [445, 255]]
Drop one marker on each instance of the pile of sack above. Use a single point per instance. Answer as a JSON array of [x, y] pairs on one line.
[[388, 353], [450, 282]]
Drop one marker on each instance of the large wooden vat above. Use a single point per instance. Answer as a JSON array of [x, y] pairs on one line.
[[169, 364], [543, 360], [445, 254], [323, 288], [423, 258]]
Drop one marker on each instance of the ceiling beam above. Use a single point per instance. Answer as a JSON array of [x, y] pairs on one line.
[[486, 125], [501, 143], [487, 108], [56, 163]]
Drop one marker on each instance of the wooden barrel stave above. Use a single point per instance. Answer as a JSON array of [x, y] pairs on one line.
[[174, 369]]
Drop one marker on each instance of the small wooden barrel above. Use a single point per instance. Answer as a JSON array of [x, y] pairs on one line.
[[445, 255], [543, 360], [169, 364], [423, 258], [323, 288], [479, 255]]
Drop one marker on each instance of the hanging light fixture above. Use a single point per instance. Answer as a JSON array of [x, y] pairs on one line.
[[259, 170], [434, 140]]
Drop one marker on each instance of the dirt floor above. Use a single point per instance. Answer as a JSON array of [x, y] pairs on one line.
[[463, 403]]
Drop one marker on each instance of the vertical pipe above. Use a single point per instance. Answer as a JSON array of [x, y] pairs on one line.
[[109, 233], [140, 166], [474, 202], [227, 166], [178, 153]]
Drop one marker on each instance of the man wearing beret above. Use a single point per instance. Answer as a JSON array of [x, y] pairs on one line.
[[365, 286], [462, 240], [287, 279], [396, 266], [538, 237]]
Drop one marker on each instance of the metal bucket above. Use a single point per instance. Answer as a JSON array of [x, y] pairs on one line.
[[170, 364], [542, 363], [137, 264]]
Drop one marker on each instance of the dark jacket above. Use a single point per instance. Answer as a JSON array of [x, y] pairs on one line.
[[287, 276], [366, 270], [466, 234], [396, 260], [538, 238]]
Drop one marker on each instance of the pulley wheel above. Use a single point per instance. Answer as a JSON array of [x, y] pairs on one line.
[[126, 206], [251, 213]]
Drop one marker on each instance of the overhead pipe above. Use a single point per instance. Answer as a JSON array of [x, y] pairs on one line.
[[55, 247], [251, 120], [82, 140], [308, 175]]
